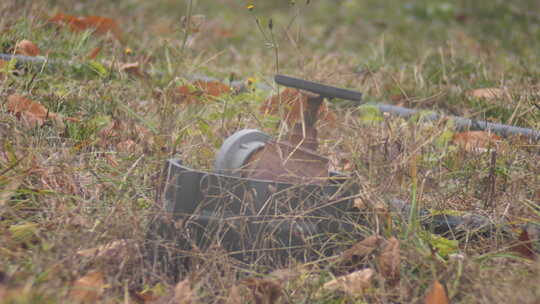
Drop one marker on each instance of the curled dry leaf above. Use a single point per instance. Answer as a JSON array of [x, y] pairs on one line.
[[89, 288], [112, 250], [354, 283], [100, 25], [293, 103], [31, 112], [476, 141], [436, 294], [132, 68], [264, 291], [389, 260], [524, 246], [353, 256], [487, 93], [201, 88], [183, 294], [27, 48]]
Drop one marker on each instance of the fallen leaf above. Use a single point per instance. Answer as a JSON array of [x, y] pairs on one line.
[[27, 48], [93, 53], [146, 297], [487, 93], [353, 256], [264, 291], [88, 289], [436, 294], [200, 88], [476, 141], [113, 249], [3, 64], [30, 111], [100, 25], [524, 246], [389, 260], [354, 283], [183, 294], [293, 102], [132, 68]]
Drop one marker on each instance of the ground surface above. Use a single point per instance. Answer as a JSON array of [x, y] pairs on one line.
[[83, 171]]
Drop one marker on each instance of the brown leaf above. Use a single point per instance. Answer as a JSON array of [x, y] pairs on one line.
[[389, 260], [354, 255], [293, 103], [436, 294], [201, 88], [30, 111], [88, 289], [354, 283], [264, 291], [27, 48], [132, 68], [3, 63], [487, 93], [524, 246], [100, 25], [476, 141], [93, 53], [183, 294]]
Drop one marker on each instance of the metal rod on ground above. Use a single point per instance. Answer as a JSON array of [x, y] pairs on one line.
[[463, 123], [460, 122]]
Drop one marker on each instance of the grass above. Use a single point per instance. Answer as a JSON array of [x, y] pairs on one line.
[[86, 183]]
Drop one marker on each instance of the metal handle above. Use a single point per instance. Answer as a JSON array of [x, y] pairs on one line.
[[317, 88]]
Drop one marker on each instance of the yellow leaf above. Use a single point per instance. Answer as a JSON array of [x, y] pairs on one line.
[[436, 295]]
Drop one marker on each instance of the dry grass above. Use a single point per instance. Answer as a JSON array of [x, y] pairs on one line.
[[77, 185]]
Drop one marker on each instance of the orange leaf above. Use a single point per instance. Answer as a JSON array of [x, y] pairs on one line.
[[27, 48], [436, 295], [31, 111], [475, 140], [93, 54], [203, 88], [88, 289], [294, 103], [100, 25]]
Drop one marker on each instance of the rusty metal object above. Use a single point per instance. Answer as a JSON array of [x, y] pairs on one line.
[[295, 160]]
